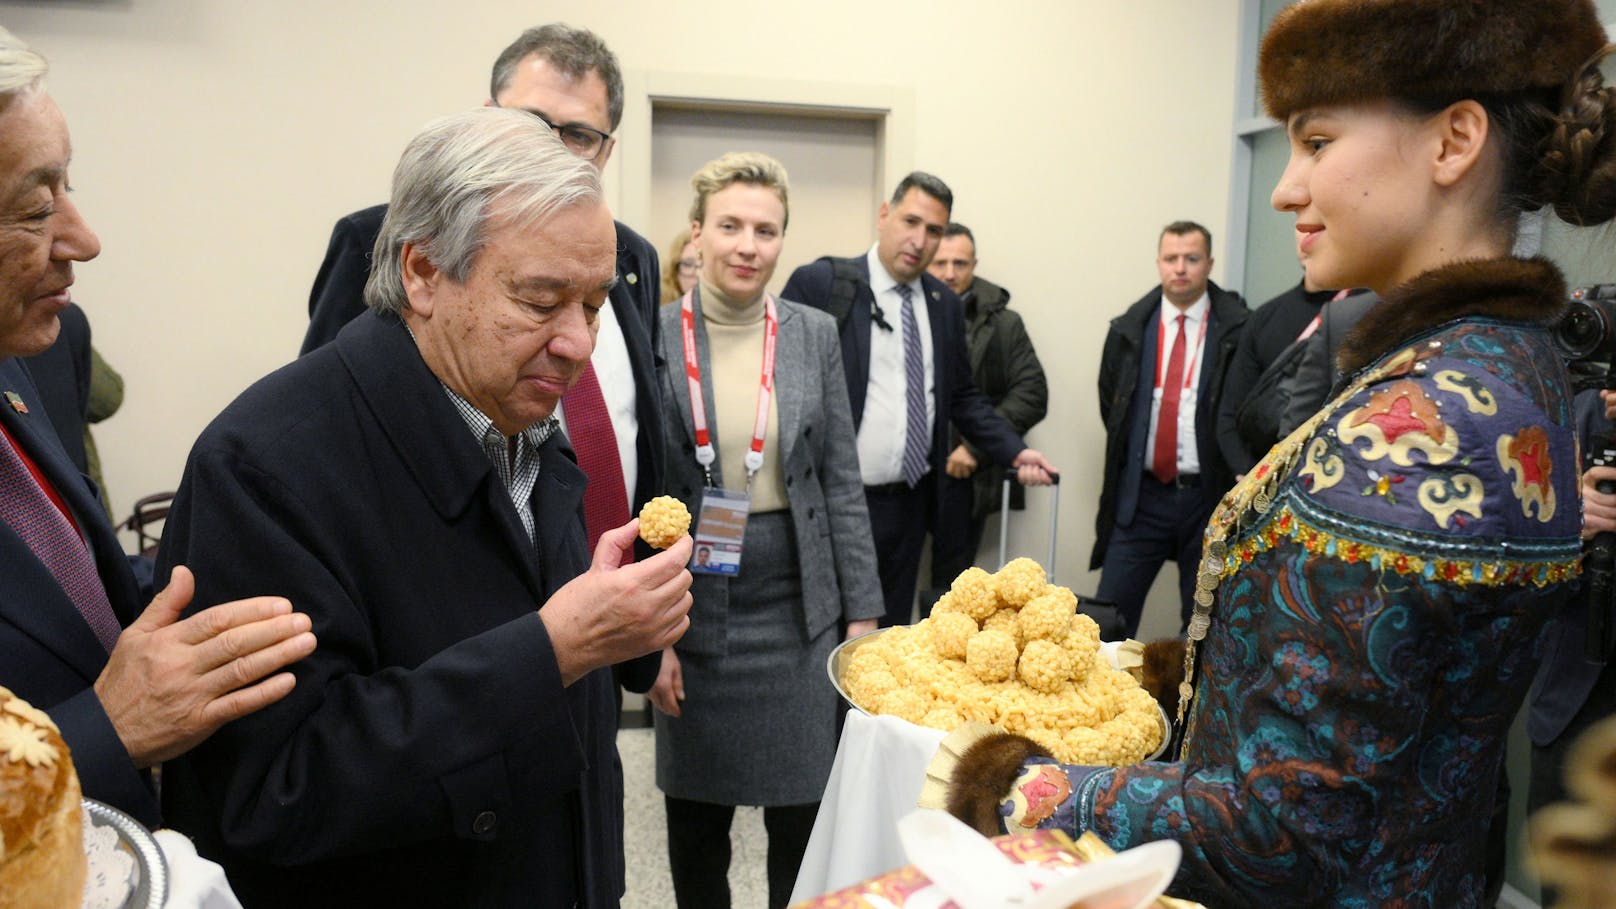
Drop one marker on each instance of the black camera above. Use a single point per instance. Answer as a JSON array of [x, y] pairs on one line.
[[1599, 562], [1586, 336]]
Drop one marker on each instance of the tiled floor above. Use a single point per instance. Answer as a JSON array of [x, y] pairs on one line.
[[645, 835]]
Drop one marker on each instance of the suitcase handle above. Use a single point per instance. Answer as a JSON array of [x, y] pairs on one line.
[[1004, 521]]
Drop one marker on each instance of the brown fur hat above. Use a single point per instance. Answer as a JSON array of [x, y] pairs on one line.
[[1342, 51]]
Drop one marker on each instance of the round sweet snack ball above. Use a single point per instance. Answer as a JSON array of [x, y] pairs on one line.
[[1019, 581], [1082, 637], [1047, 617], [663, 521], [947, 603], [1064, 594], [949, 633], [973, 592], [991, 655], [868, 688], [1045, 666], [1007, 621]]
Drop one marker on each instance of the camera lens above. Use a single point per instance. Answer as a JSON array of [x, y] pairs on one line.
[[1581, 331]]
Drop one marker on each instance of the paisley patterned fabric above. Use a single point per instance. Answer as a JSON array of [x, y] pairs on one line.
[[1371, 638]]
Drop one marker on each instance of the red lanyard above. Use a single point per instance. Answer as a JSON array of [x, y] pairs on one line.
[[705, 455], [1318, 319], [1189, 365]]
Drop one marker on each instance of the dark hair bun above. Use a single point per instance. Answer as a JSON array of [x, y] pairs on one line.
[[1579, 153]]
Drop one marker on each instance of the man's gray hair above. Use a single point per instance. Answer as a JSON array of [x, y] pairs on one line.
[[459, 172], [576, 52], [21, 67]]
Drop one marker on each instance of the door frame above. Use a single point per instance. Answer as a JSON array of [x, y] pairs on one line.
[[890, 107]]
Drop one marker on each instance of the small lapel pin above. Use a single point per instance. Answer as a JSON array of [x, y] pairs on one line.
[[936, 296], [632, 278], [15, 400]]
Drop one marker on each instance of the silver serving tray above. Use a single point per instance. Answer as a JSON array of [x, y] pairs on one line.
[[151, 870], [836, 667]]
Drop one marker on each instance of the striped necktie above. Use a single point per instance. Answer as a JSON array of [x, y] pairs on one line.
[[916, 440], [46, 530]]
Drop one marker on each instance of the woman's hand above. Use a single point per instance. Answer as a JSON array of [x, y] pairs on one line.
[[669, 688], [1598, 508], [862, 626]]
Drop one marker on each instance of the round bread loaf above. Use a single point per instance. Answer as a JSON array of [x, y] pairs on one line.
[[42, 864]]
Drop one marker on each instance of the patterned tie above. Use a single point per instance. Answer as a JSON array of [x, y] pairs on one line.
[[915, 441], [1165, 462], [36, 519], [590, 426]]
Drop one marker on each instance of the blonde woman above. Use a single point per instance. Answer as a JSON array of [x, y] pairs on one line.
[[746, 714]]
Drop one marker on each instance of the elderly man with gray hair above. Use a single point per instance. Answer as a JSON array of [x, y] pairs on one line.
[[127, 692], [452, 741]]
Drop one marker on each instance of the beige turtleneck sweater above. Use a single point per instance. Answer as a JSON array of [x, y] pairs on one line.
[[735, 351]]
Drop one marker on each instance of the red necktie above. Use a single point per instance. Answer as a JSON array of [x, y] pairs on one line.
[[589, 424], [28, 509], [1164, 464]]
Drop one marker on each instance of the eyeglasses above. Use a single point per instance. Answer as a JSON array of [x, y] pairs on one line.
[[689, 265], [584, 141]]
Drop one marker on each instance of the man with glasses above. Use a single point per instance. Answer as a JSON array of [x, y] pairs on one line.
[[568, 78]]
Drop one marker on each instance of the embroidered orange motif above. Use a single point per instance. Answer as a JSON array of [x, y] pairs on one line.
[[1044, 792], [1400, 409], [1398, 421], [1531, 450], [1526, 458]]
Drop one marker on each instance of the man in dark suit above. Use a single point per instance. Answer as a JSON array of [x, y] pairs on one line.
[[61, 372], [1006, 368], [905, 383], [568, 78], [125, 698], [1161, 375], [453, 741]]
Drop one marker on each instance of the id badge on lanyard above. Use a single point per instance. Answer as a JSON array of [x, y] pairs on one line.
[[721, 520]]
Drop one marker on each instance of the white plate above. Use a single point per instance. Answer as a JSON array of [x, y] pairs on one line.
[[150, 884]]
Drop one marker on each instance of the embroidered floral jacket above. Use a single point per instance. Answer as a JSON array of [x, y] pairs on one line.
[[1374, 588]]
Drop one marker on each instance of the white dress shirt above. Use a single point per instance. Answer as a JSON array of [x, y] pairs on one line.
[[616, 376], [886, 411], [1195, 328]]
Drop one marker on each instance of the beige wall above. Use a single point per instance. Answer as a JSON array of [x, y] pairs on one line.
[[215, 143]]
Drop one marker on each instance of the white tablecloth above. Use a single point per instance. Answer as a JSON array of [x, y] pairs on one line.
[[876, 779], [193, 881]]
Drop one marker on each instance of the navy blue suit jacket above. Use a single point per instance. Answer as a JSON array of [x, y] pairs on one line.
[[430, 754], [48, 654], [957, 397], [62, 376]]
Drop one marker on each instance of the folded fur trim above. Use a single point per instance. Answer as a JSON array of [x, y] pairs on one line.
[[1342, 51], [1162, 672], [1513, 290], [983, 776]]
